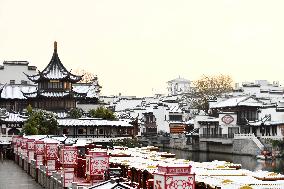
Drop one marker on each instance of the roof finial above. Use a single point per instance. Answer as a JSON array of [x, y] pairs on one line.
[[55, 46]]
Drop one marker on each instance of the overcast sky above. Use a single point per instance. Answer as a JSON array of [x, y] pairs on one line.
[[135, 46]]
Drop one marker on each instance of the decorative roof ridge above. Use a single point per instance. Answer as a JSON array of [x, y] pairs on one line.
[[28, 93], [31, 75], [54, 60], [3, 86], [55, 70], [248, 97], [75, 75]]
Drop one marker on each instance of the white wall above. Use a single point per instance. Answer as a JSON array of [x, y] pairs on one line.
[[275, 116], [15, 72], [162, 115], [87, 107], [178, 87], [127, 104]]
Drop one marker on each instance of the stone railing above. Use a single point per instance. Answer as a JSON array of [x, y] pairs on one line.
[[225, 136], [244, 136], [272, 137]]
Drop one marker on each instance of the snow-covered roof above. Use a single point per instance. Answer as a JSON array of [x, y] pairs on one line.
[[55, 70], [50, 140], [170, 98], [16, 91], [175, 109], [82, 142], [92, 122], [22, 91], [12, 117], [47, 94], [90, 89], [258, 123], [61, 114], [179, 80], [238, 101], [35, 137], [190, 122], [111, 184], [1, 86], [209, 119]]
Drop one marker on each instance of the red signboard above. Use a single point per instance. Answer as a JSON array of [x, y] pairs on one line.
[[97, 162], [30, 144], [174, 170], [69, 156], [99, 165], [51, 150], [227, 119], [174, 178], [39, 147]]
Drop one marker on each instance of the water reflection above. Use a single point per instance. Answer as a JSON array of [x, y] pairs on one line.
[[248, 162]]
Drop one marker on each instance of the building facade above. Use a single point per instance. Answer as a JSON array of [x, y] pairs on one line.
[[54, 89], [178, 86], [9, 69]]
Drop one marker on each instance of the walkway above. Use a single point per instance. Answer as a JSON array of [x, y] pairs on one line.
[[13, 177]]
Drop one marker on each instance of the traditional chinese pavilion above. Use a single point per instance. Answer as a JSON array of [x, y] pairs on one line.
[[54, 87]]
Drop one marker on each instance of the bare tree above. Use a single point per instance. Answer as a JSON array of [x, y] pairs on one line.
[[87, 76], [209, 87]]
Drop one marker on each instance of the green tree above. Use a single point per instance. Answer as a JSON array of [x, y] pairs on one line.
[[29, 109], [40, 122], [76, 113], [103, 113], [210, 87]]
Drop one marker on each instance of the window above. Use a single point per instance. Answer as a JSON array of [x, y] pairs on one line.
[[3, 131], [67, 85], [232, 131], [23, 82], [60, 85], [92, 131], [80, 131], [101, 131], [65, 131], [12, 82], [175, 117]]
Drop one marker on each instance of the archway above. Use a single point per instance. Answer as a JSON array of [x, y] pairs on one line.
[[14, 131]]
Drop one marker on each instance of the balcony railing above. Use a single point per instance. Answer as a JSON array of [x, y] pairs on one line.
[[231, 135]]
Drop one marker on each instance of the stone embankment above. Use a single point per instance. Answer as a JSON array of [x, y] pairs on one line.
[[241, 144]]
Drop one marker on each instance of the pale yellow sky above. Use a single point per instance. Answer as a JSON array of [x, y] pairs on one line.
[[135, 46]]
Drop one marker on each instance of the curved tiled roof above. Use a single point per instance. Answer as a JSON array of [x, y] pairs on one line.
[[55, 70]]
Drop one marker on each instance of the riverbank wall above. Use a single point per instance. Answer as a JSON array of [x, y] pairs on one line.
[[236, 146]]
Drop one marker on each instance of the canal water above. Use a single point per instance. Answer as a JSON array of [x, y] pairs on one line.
[[13, 177], [248, 162]]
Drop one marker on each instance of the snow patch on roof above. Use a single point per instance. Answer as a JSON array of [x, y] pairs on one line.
[[238, 101]]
